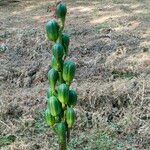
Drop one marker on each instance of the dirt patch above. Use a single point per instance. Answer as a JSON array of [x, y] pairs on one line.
[[110, 45]]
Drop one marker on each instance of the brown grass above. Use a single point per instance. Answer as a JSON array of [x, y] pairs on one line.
[[110, 45]]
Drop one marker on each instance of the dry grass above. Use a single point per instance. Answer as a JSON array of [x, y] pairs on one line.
[[110, 44]]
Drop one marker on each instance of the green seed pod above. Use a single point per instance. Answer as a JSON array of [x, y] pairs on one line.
[[52, 29], [54, 106], [70, 117], [65, 42], [50, 120], [72, 98], [58, 52], [63, 94], [55, 65], [49, 92], [61, 130], [53, 76], [69, 71], [61, 12]]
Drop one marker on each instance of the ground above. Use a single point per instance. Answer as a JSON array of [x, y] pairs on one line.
[[110, 42]]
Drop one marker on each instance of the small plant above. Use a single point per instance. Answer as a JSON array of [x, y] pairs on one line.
[[60, 114]]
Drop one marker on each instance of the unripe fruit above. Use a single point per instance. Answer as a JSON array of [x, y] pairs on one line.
[[52, 29], [69, 71], [49, 92], [61, 130], [54, 106], [70, 117], [63, 94], [50, 120], [58, 52], [61, 11], [55, 65], [65, 42], [53, 76], [72, 98]]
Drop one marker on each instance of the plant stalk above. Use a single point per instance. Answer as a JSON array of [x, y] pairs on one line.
[[68, 135], [63, 144], [60, 77]]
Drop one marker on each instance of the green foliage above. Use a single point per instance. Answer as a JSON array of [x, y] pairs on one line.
[[3, 48], [97, 140], [6, 140], [118, 1], [101, 26], [59, 113], [123, 74]]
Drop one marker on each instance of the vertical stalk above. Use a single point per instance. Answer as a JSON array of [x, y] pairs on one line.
[[60, 41], [60, 34], [60, 127], [63, 144], [60, 77], [68, 135]]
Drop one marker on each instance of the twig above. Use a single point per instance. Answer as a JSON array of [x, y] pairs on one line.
[[142, 98], [5, 124]]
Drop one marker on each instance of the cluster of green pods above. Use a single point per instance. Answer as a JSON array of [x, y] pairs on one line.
[[61, 99]]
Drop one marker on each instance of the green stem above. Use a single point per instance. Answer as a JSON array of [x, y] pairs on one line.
[[63, 146], [68, 83], [63, 143], [60, 77], [60, 35], [68, 134], [63, 24]]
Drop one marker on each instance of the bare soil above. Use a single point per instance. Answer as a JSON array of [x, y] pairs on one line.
[[110, 41]]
